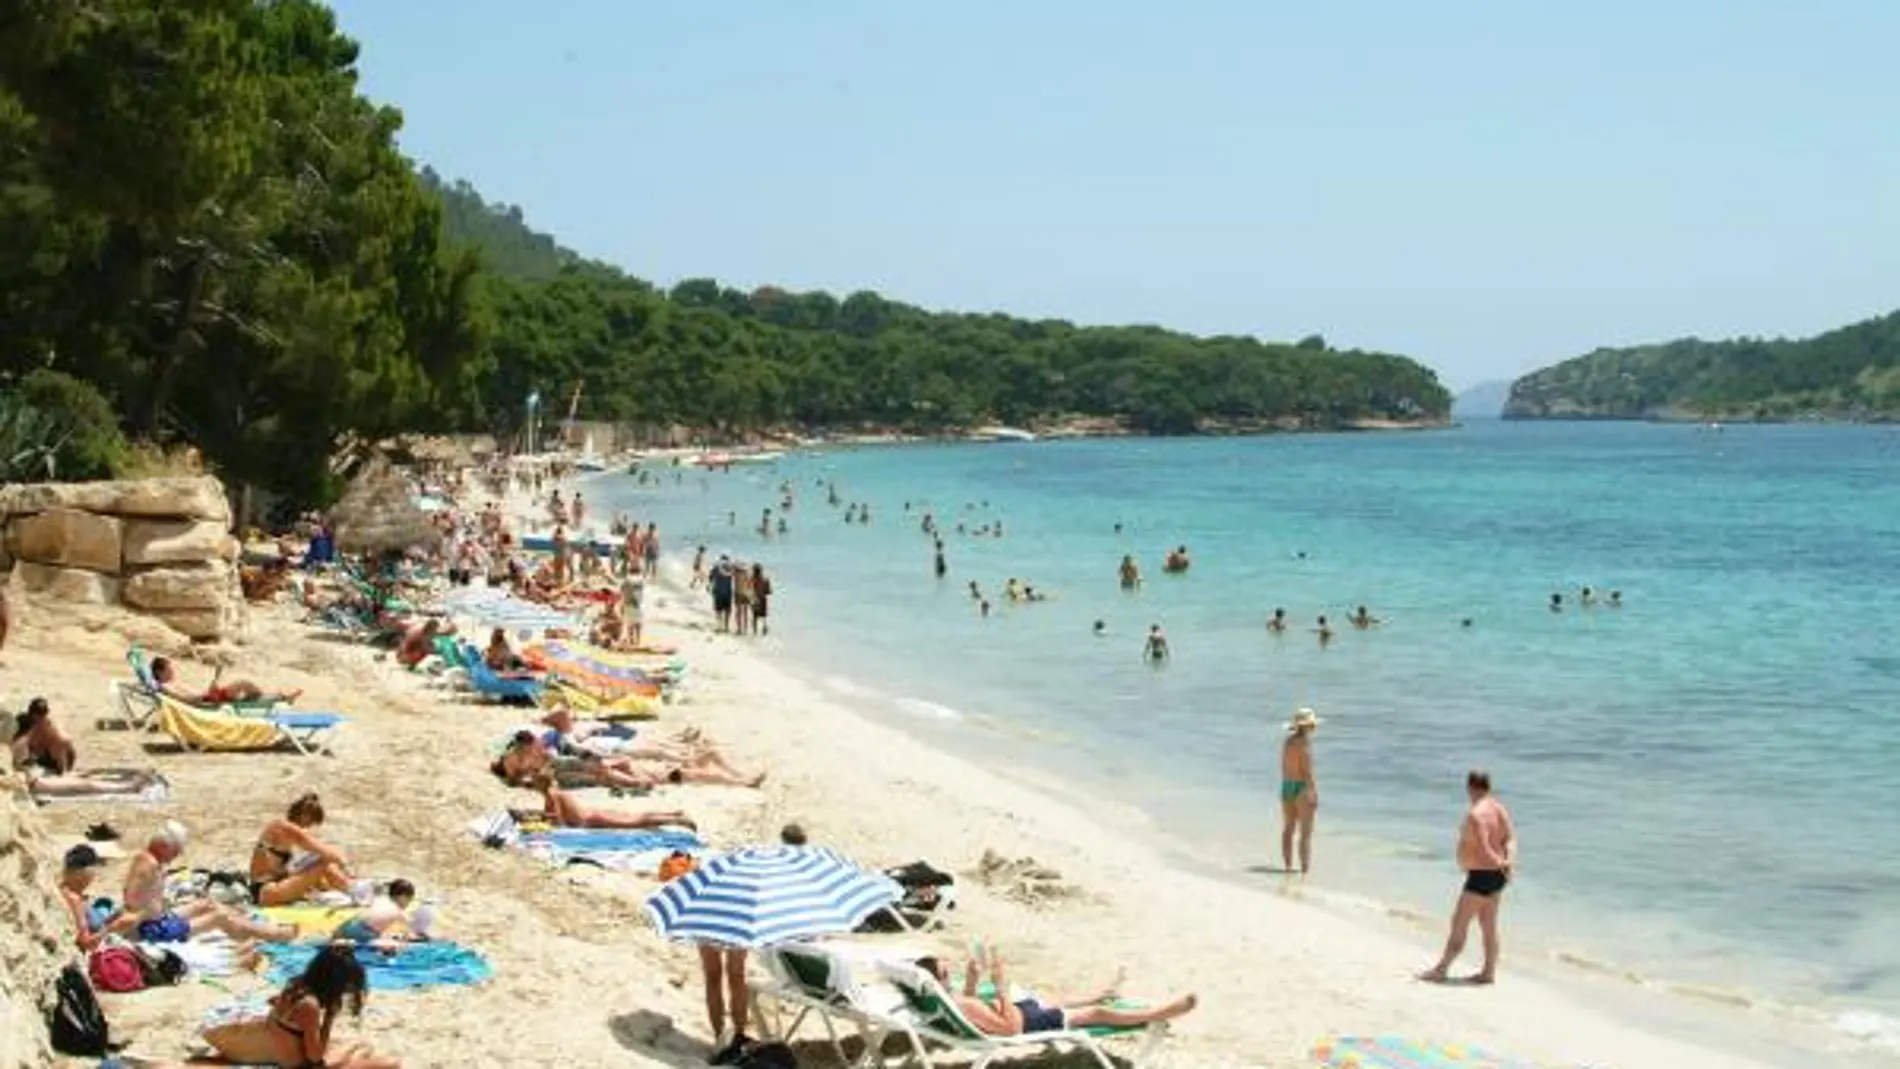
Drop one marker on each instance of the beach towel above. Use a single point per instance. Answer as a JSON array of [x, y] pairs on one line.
[[158, 790], [1394, 1052], [619, 850], [415, 965]]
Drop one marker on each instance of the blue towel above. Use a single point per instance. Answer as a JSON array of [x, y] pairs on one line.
[[415, 965], [615, 840]]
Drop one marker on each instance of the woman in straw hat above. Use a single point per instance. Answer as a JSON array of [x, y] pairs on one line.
[[1299, 794]]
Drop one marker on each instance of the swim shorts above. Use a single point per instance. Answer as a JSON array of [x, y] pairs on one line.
[[168, 928], [1040, 1018], [1485, 882]]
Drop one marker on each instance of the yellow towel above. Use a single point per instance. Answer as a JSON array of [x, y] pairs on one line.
[[625, 707], [202, 730], [312, 921]]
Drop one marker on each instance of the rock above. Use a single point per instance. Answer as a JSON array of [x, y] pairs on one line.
[[66, 584], [198, 586], [177, 542], [38, 931], [203, 625], [198, 497], [67, 537]]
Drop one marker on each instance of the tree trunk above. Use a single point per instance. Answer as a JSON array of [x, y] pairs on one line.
[[173, 359]]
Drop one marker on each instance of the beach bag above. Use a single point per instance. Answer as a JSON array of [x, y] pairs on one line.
[[767, 1056], [76, 1024], [677, 864], [119, 970]]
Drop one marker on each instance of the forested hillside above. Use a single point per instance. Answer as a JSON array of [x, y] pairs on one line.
[[1852, 373], [208, 238], [709, 355]]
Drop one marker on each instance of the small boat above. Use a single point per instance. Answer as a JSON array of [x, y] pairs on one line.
[[1001, 434]]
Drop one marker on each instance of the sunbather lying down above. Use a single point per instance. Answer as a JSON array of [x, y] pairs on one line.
[[219, 692], [684, 745], [115, 782], [996, 1015], [564, 812], [529, 755]]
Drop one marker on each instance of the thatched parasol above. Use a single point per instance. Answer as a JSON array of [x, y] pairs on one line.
[[378, 514]]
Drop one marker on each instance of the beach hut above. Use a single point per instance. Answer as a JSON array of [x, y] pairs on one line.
[[379, 514]]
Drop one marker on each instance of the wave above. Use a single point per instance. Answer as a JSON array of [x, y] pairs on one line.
[[848, 688], [930, 709]]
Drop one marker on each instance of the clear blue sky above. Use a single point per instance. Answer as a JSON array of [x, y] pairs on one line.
[[1488, 185]]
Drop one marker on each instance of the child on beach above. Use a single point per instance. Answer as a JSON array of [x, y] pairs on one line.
[[386, 922]]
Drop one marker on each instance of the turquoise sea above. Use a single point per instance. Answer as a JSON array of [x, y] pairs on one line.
[[1707, 780]]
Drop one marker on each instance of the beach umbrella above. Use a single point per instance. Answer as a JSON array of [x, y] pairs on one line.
[[1395, 1052], [494, 607], [762, 896], [378, 514]]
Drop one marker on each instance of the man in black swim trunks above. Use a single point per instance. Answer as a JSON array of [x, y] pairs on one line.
[[719, 581], [1487, 852], [992, 1012]]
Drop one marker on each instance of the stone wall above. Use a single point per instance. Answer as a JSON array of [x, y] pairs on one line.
[[161, 547], [37, 933]]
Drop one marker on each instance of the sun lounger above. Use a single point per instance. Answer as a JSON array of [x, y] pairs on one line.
[[931, 1018], [137, 698], [213, 730], [485, 682], [812, 981]]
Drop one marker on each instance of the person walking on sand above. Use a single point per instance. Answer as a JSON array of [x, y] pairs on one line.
[[1299, 792], [1487, 852]]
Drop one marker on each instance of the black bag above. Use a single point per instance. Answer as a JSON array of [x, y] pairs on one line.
[[162, 967], [76, 1023], [767, 1056]]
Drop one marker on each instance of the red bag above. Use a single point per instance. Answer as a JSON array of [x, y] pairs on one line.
[[116, 969]]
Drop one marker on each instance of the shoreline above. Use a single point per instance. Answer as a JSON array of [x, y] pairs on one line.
[[1070, 825]]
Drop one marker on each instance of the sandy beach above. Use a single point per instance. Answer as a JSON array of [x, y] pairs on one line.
[[580, 978]]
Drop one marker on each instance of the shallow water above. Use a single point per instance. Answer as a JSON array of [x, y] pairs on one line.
[[1706, 780]]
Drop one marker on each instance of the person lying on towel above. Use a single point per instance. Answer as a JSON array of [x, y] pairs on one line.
[[995, 1014]]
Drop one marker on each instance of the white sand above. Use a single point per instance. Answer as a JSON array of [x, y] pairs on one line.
[[581, 980]]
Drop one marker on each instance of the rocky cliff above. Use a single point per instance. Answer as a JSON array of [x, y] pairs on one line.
[[36, 932], [161, 547]]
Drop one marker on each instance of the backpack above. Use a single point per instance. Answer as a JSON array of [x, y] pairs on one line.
[[76, 1023], [117, 969]]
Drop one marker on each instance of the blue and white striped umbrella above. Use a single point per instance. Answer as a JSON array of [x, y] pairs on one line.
[[762, 896], [494, 607]]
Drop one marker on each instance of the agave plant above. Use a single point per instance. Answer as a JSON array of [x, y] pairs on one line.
[[30, 441]]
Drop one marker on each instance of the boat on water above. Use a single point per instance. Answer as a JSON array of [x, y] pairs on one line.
[[1001, 434]]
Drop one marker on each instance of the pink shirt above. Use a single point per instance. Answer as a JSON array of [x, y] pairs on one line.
[[1485, 839]]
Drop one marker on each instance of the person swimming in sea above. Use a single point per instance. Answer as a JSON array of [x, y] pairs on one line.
[[983, 608], [976, 593], [1616, 599], [1299, 793], [1130, 572], [1277, 622], [1100, 629], [1556, 603], [1177, 562], [1363, 620], [1586, 597], [1118, 527], [1324, 631], [942, 569], [1029, 594], [1155, 647], [1013, 590]]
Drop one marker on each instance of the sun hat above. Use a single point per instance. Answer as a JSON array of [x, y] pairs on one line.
[[1303, 720]]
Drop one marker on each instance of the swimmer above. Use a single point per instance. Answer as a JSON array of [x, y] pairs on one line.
[[976, 594], [1177, 561], [1101, 628], [1118, 528], [1299, 793], [941, 567], [1586, 597], [1013, 590], [1364, 620], [1130, 572], [1324, 631], [1277, 622], [1616, 599], [1466, 622], [984, 608], [1556, 603], [1155, 648]]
